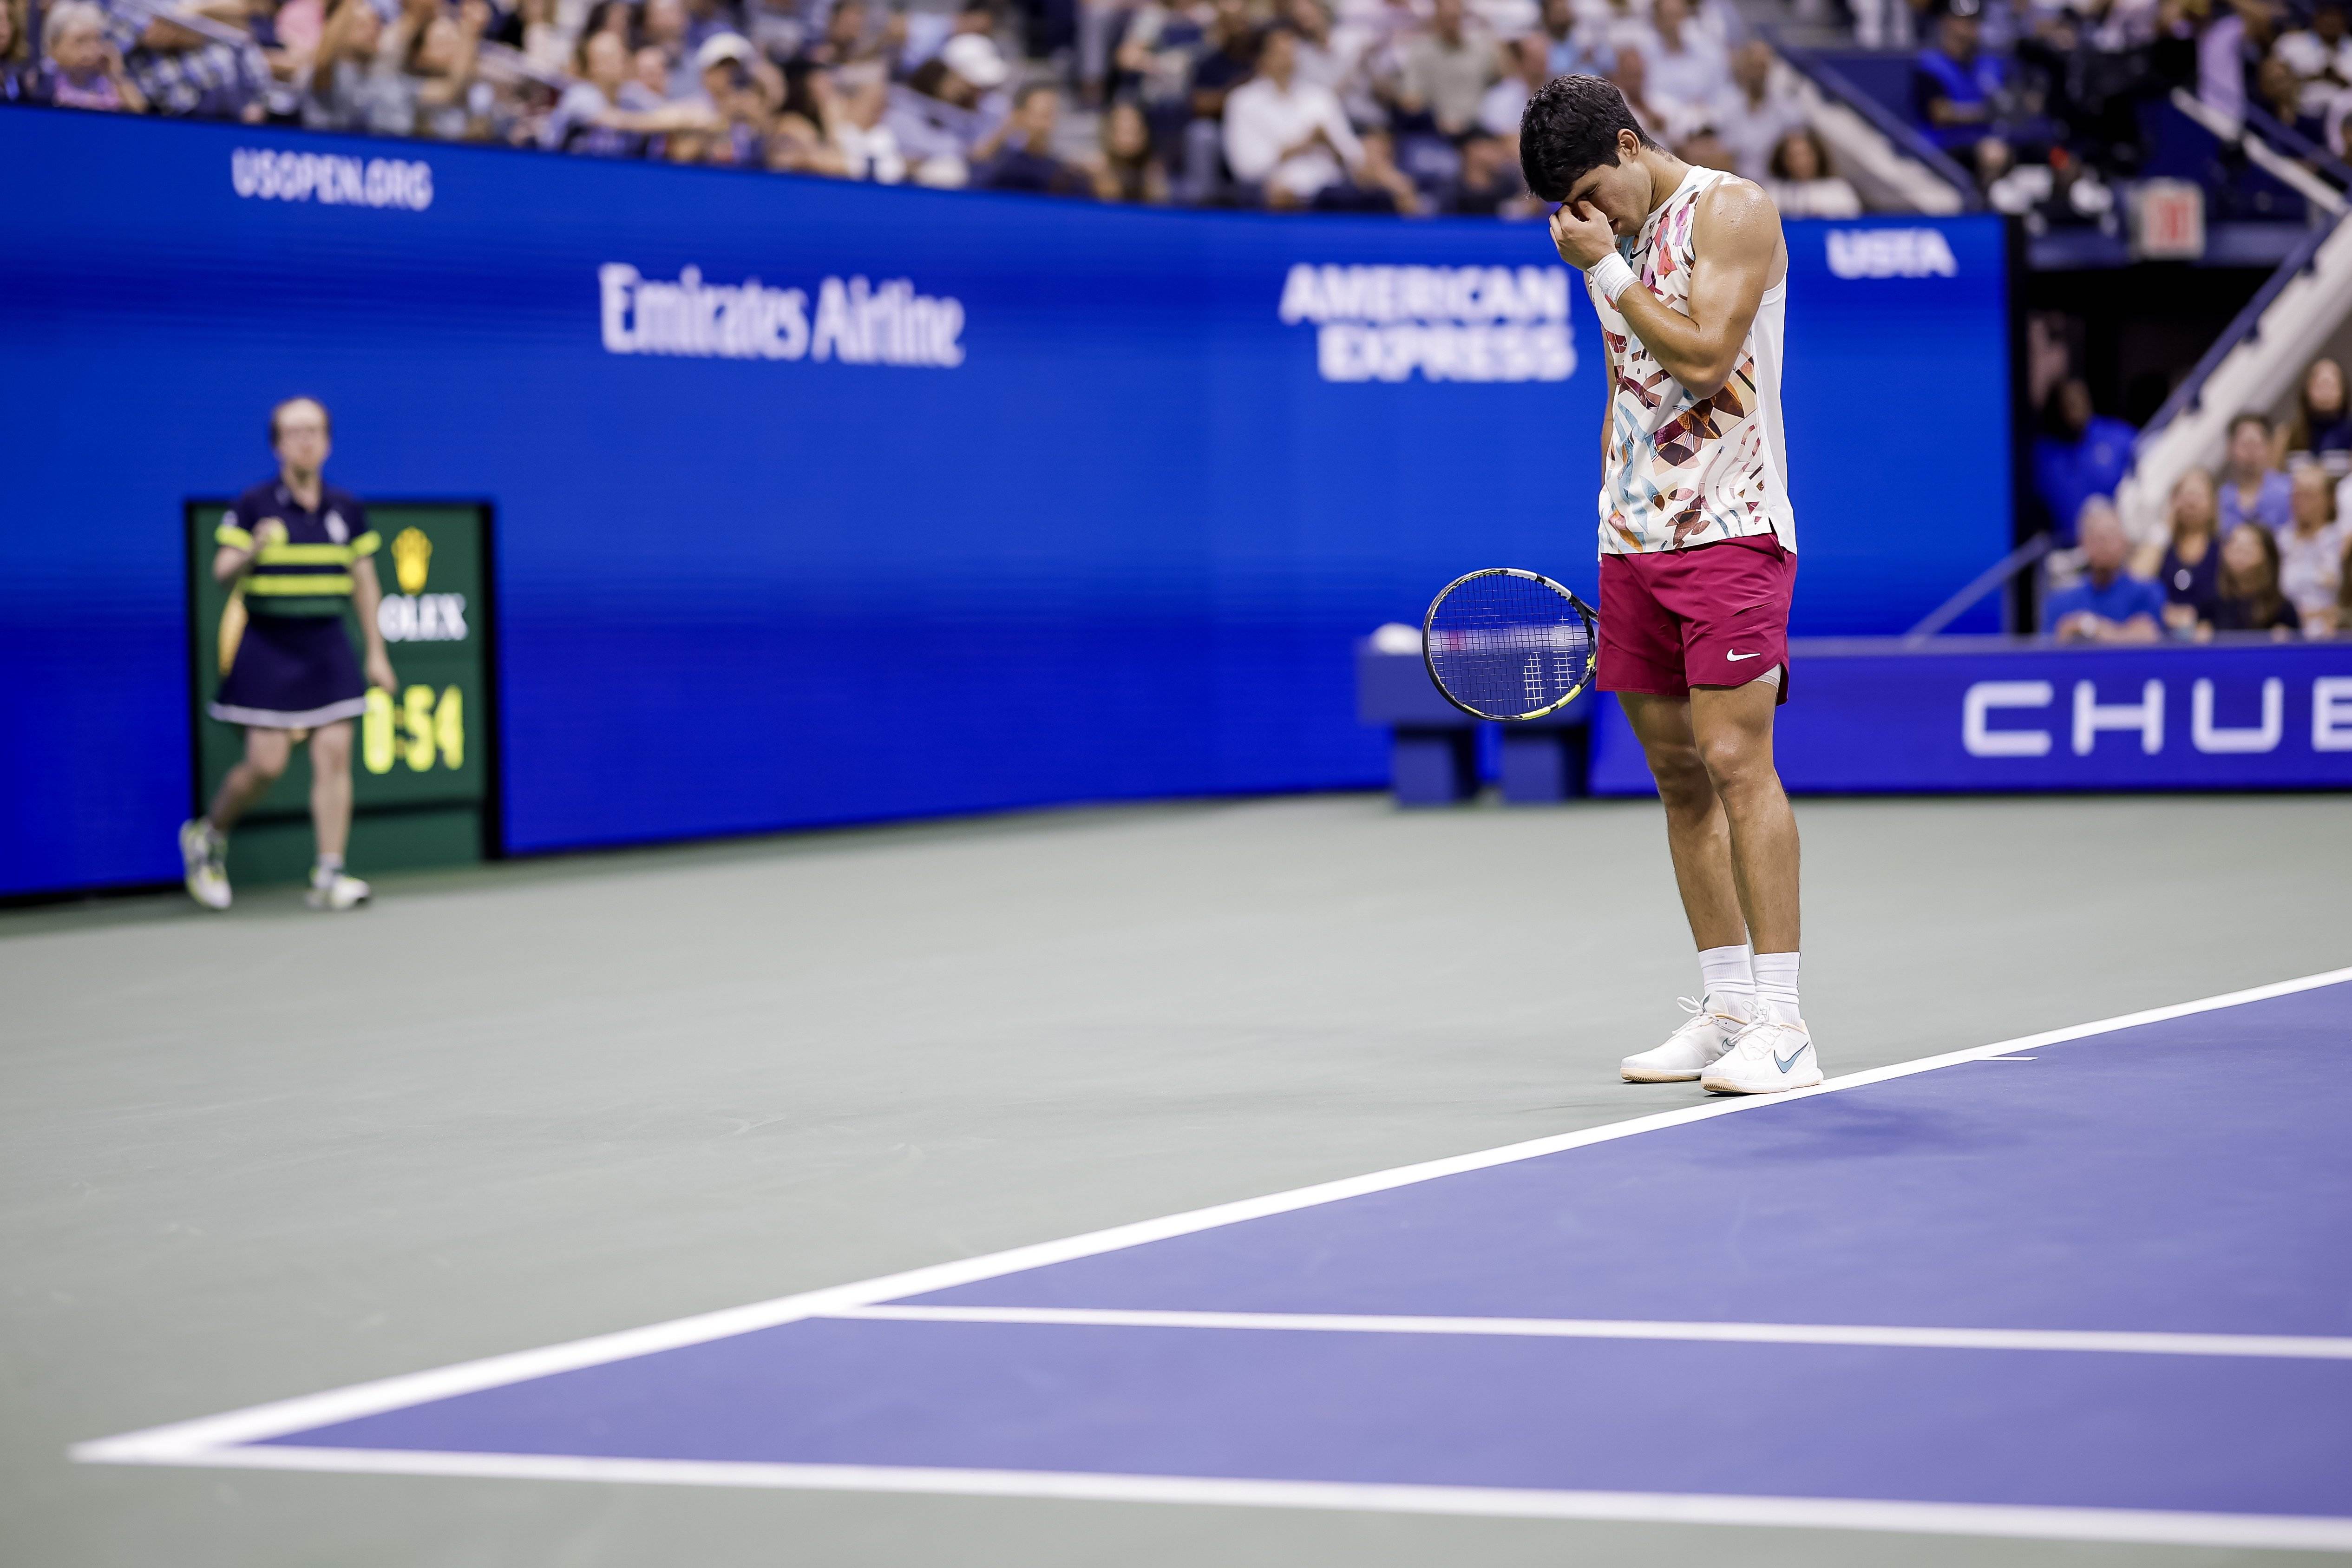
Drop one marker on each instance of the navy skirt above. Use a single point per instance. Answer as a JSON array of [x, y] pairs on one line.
[[292, 672]]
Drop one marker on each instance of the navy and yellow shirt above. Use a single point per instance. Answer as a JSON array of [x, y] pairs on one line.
[[310, 573]]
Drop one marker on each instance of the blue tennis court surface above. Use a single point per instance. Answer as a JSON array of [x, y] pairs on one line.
[[2084, 1287]]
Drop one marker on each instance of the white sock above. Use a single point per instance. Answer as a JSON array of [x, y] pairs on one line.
[[1776, 980], [324, 871], [1723, 972]]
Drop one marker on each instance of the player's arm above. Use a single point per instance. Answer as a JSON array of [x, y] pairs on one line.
[[1736, 241]]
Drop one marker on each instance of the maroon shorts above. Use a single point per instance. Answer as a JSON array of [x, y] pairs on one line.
[[1715, 616]]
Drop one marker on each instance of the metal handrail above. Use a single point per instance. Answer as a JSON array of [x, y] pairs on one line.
[[1886, 121], [1983, 582], [2295, 144], [2246, 324]]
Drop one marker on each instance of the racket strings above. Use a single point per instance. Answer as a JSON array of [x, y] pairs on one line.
[[1507, 647]]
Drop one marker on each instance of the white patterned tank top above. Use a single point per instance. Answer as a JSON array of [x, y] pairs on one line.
[[1719, 463]]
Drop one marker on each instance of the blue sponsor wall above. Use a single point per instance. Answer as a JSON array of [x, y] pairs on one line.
[[1076, 513], [1984, 715]]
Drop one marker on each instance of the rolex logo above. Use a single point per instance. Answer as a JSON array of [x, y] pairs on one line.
[[412, 552]]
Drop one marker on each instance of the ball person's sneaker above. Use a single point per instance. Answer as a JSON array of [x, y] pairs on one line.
[[1706, 1035], [334, 890], [1773, 1053], [204, 854]]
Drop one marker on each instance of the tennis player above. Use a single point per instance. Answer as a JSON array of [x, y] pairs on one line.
[[1687, 270], [299, 551]]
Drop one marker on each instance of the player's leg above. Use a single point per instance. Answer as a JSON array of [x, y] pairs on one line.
[[1698, 833], [203, 840], [330, 817], [1698, 838], [1733, 728]]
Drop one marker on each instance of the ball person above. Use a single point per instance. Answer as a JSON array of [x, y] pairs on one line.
[[299, 552], [1687, 270]]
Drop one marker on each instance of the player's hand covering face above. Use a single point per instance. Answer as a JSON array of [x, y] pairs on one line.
[[1582, 233]]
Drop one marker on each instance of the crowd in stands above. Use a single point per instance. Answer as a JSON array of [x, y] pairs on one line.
[[2263, 546], [2047, 102], [1409, 106]]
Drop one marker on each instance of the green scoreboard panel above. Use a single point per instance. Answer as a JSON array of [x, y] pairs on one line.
[[424, 775]]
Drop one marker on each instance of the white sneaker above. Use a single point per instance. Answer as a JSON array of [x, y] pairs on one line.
[[1706, 1035], [1772, 1054], [336, 892], [201, 853]]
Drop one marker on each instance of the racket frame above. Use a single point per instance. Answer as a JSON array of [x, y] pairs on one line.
[[1592, 629]]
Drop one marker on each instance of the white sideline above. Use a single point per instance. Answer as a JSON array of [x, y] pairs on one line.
[[2146, 1526], [213, 1440], [2289, 1346]]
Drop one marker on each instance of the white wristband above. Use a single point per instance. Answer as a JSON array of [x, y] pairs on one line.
[[1610, 274]]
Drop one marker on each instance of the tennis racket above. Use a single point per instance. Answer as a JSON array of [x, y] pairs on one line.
[[1509, 644]]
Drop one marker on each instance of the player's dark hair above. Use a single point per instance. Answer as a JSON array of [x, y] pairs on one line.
[[1570, 128], [325, 418]]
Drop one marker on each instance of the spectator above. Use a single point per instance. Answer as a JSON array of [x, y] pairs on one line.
[[2252, 490], [442, 53], [947, 117], [1686, 68], [1130, 169], [797, 145], [353, 84], [2279, 92], [2320, 54], [1631, 78], [2221, 57], [1529, 66], [1026, 161], [583, 119], [1446, 73], [927, 31], [1231, 58], [545, 43], [2249, 599], [2321, 424], [1752, 118], [1162, 43], [1285, 135], [1704, 149], [1319, 61], [855, 107], [84, 66], [1491, 184], [1956, 87], [183, 72], [22, 80], [2080, 454], [1804, 184], [2188, 567], [2311, 547], [2108, 606], [1382, 186], [1568, 49], [649, 68], [741, 95], [662, 25]]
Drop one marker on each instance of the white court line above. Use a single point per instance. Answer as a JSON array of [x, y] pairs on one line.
[[2287, 1346], [2146, 1526], [209, 1440]]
